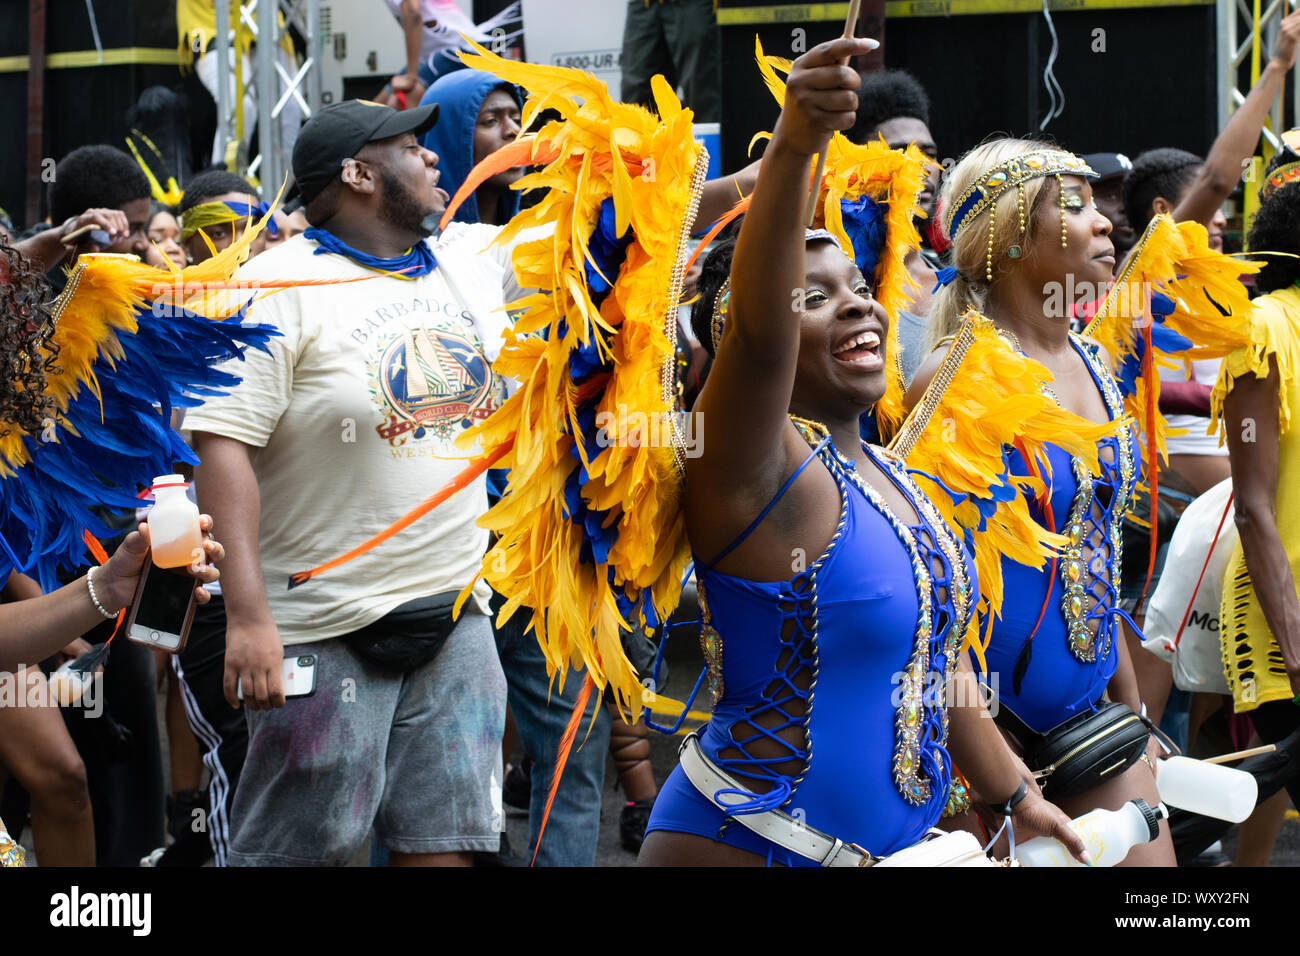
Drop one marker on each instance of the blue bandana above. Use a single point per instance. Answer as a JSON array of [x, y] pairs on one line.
[[415, 262], [254, 212]]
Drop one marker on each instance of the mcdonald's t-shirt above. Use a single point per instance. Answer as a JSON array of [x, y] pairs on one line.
[[354, 415]]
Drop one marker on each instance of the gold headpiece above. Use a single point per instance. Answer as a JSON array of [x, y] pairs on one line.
[[1015, 172]]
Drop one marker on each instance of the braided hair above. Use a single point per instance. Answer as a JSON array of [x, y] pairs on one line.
[[1157, 172], [25, 354]]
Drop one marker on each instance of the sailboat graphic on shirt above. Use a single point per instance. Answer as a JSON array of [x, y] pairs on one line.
[[434, 379]]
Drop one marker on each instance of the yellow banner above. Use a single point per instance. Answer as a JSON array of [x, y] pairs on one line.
[[124, 56], [818, 12]]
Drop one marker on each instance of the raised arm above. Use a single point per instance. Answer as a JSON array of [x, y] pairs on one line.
[[227, 488], [1223, 166], [1253, 454], [719, 195], [745, 401]]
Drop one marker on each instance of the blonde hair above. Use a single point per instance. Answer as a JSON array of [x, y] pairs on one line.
[[969, 288]]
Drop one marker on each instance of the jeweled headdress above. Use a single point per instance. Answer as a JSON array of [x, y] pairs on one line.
[[1012, 174], [1282, 176]]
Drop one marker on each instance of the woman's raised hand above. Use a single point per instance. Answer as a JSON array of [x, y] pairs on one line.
[[821, 95]]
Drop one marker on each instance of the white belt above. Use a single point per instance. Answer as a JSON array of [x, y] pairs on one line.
[[772, 825]]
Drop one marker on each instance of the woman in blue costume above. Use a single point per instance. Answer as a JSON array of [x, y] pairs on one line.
[[834, 599], [1024, 228]]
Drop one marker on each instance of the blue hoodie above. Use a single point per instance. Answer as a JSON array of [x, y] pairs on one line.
[[460, 96]]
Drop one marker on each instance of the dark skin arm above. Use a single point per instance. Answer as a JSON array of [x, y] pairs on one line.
[[1254, 484], [976, 746], [33, 629], [45, 250], [719, 195], [751, 446], [1223, 166], [227, 487]]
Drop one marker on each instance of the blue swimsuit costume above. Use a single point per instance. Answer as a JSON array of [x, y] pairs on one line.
[[1069, 667], [873, 768]]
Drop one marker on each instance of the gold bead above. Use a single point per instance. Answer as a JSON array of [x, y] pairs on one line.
[[1060, 192]]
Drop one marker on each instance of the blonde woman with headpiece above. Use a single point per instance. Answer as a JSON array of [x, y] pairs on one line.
[[1024, 230]]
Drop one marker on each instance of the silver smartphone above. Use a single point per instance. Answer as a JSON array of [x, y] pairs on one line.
[[297, 676]]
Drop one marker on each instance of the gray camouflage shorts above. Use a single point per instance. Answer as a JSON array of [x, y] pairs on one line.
[[416, 755]]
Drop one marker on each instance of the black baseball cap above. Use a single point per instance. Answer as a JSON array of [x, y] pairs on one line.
[[338, 132], [1107, 165]]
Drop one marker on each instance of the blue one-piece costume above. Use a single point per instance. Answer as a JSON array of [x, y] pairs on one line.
[[856, 650], [1069, 667]]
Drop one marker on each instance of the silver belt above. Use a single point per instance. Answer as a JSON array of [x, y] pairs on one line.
[[772, 825]]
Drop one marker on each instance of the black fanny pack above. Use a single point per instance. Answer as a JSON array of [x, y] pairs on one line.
[[1084, 751], [409, 636]]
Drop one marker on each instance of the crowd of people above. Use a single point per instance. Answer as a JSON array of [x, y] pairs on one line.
[[851, 691]]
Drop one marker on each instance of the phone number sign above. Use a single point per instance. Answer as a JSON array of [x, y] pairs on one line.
[[590, 60]]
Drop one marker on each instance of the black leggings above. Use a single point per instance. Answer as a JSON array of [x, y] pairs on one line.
[[1275, 721]]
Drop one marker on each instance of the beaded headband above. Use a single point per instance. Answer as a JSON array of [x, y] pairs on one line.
[[722, 301], [1013, 173], [1280, 177]]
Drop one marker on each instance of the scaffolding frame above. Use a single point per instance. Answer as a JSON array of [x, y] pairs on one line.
[[273, 86], [1248, 29]]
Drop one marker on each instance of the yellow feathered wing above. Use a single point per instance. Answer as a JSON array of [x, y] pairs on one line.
[[630, 477], [1210, 309], [984, 397]]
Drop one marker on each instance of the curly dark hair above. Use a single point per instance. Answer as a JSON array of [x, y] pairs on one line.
[[92, 176], [1162, 172], [26, 354], [885, 96], [1277, 229]]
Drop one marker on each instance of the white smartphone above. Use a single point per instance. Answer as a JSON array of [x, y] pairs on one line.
[[297, 676], [163, 609]]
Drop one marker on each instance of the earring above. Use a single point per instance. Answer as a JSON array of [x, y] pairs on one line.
[[1060, 192], [988, 249], [1013, 252], [721, 303]]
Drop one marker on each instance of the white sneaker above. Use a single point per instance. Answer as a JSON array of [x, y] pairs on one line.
[[153, 858]]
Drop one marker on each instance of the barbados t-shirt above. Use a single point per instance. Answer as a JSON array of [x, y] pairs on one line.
[[354, 416]]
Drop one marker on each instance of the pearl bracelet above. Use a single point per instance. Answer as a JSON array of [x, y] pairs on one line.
[[90, 586]]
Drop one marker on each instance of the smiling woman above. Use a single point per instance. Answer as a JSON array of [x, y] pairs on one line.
[[819, 561]]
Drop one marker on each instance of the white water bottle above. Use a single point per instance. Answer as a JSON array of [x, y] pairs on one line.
[[1107, 835], [1206, 788], [174, 533]]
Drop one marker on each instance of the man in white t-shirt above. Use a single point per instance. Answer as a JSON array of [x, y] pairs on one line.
[[346, 426]]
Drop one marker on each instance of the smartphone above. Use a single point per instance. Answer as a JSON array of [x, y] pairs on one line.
[[163, 609], [297, 676]]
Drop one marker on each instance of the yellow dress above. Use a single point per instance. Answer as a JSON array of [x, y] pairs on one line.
[[1252, 660]]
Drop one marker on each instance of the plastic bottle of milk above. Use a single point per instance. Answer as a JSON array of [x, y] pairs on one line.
[[173, 521], [1206, 788], [1107, 835]]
